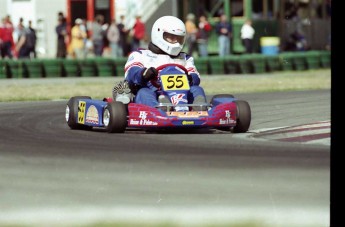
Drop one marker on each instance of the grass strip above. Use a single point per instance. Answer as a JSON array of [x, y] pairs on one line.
[[98, 88]]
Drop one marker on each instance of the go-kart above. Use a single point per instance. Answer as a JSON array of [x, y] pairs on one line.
[[223, 112]]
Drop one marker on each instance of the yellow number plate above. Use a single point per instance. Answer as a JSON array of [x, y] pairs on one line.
[[174, 82], [81, 112]]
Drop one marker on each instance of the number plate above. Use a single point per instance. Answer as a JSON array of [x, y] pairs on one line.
[[81, 112], [174, 82]]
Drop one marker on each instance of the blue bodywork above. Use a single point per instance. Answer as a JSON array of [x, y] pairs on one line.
[[90, 112]]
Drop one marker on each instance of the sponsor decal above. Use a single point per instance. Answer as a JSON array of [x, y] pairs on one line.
[[142, 120], [81, 112], [227, 114], [227, 120], [178, 98], [187, 122], [151, 56], [92, 115], [134, 122], [188, 114]]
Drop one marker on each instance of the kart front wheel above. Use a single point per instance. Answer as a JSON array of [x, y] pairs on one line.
[[115, 117], [243, 118], [71, 113]]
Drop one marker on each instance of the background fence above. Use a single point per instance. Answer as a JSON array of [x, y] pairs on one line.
[[108, 67]]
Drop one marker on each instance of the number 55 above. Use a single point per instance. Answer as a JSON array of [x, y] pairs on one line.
[[175, 82]]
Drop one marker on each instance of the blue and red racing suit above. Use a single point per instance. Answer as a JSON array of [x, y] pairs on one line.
[[148, 93]]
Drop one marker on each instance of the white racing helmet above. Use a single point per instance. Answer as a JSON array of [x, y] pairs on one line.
[[168, 34]]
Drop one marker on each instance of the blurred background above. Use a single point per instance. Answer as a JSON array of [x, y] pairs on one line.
[[271, 18]]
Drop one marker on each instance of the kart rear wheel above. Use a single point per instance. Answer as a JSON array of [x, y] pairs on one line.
[[243, 117], [71, 113], [115, 117]]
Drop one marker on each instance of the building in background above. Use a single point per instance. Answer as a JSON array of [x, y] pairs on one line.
[[270, 17], [44, 15]]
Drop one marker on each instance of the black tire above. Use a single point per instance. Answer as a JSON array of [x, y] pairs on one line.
[[117, 117], [221, 96], [243, 117], [72, 108]]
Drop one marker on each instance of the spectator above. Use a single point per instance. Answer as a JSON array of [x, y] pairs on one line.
[[7, 43], [191, 31], [61, 15], [113, 36], [26, 42], [20, 51], [97, 35], [19, 29], [61, 31], [2, 26], [296, 42], [224, 32], [123, 37], [202, 37], [88, 45], [138, 33], [300, 40], [247, 35], [77, 43], [329, 43], [106, 47], [33, 39]]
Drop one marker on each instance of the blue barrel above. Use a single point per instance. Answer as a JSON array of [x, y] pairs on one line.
[[269, 45]]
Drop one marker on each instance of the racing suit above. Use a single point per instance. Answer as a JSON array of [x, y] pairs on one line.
[[153, 57]]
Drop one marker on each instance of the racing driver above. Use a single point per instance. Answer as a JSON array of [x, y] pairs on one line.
[[167, 40]]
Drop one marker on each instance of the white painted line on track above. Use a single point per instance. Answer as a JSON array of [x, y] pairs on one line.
[[187, 216], [314, 133]]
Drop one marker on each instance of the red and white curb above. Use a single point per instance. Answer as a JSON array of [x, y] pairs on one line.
[[314, 133]]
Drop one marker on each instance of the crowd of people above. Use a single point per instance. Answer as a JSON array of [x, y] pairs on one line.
[[17, 41], [198, 35], [98, 38], [84, 39]]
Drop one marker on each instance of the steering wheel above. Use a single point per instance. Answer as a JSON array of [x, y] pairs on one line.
[[172, 64], [154, 81]]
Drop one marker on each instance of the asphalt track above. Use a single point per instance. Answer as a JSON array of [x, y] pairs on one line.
[[53, 176]]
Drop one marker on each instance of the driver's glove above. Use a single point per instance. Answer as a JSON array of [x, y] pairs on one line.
[[149, 73]]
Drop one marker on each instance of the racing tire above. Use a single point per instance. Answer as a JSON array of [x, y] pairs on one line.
[[115, 117], [72, 112], [243, 118], [221, 96]]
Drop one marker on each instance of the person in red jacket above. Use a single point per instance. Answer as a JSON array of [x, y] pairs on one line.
[[138, 33], [6, 37], [204, 28], [2, 27]]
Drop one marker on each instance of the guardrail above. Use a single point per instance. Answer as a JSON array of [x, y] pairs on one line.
[[109, 67]]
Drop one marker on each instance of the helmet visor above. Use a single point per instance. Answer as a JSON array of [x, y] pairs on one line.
[[171, 38]]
